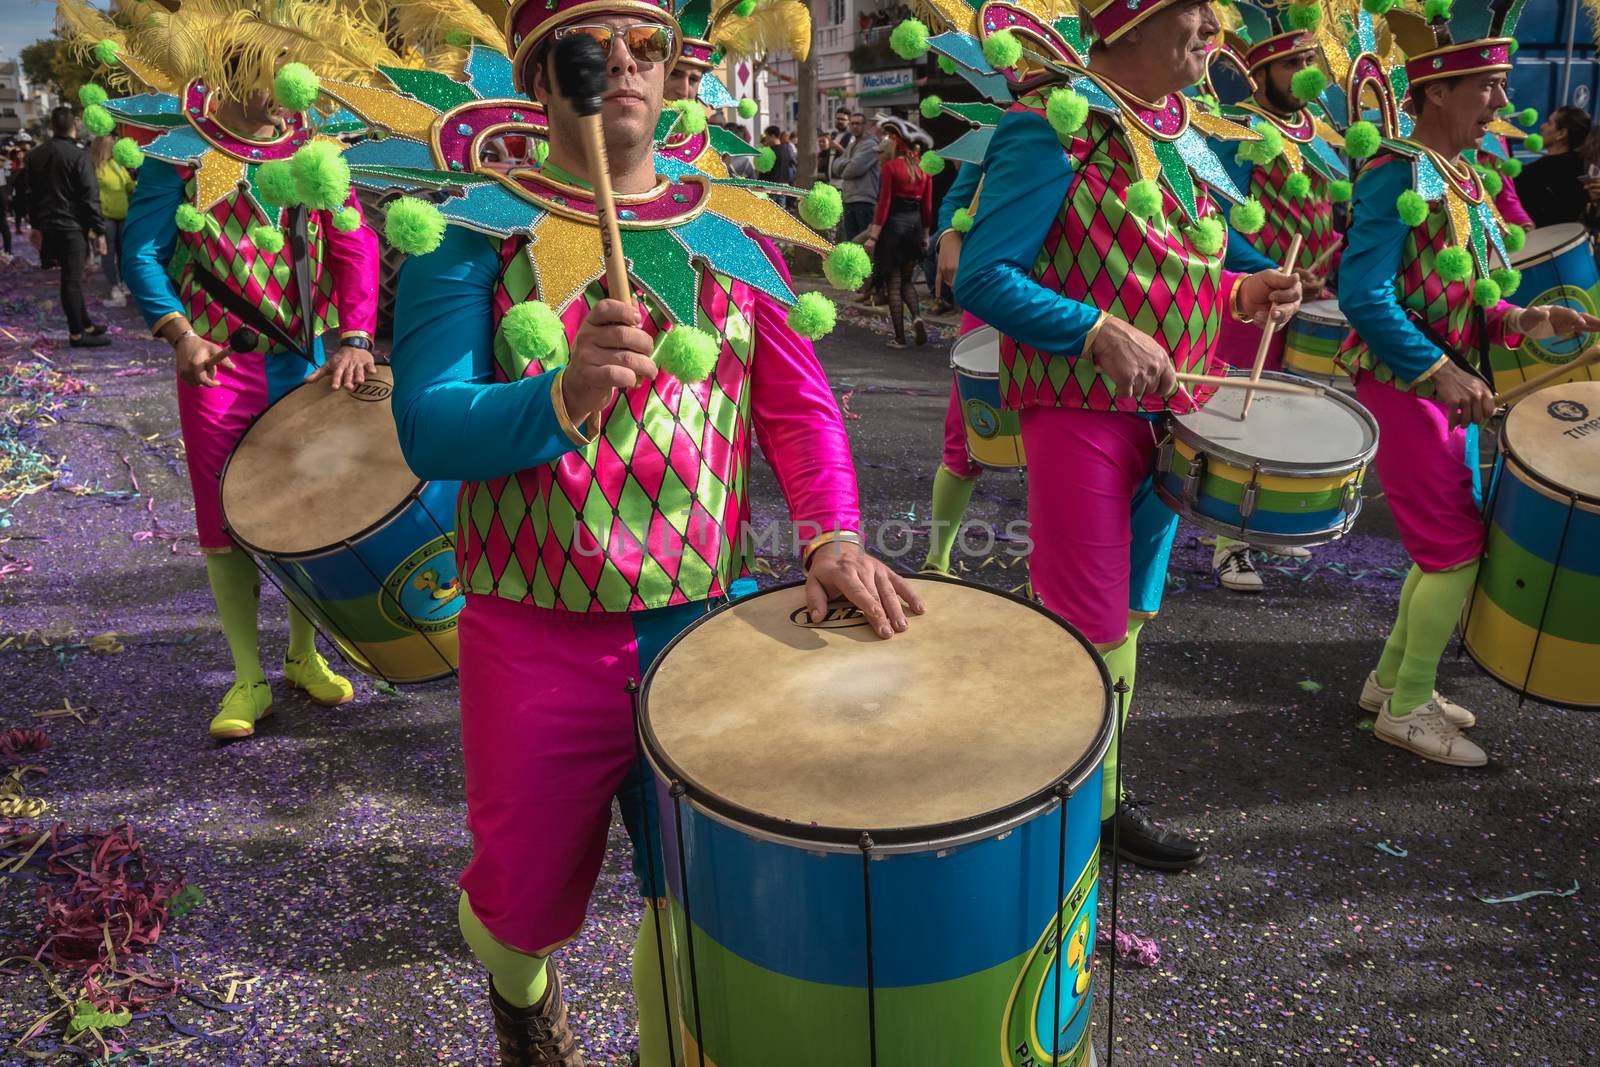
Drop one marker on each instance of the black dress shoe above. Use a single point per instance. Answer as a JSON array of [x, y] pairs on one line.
[[89, 340], [1142, 842]]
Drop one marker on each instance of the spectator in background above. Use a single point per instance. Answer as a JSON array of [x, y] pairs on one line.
[[19, 177], [787, 160], [898, 237], [857, 169], [739, 166], [1551, 188], [116, 189], [64, 210], [5, 201]]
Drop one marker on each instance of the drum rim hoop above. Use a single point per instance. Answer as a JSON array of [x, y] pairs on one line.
[[924, 838], [963, 340], [1177, 429], [1540, 256], [1539, 483]]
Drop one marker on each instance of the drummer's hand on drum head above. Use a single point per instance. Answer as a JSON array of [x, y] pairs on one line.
[[197, 360], [1311, 287], [346, 368], [1464, 395], [1270, 295], [1132, 360], [610, 352], [842, 569]]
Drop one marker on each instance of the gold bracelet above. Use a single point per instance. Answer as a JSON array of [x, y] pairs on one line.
[[1090, 337], [846, 536], [155, 331], [558, 403], [1235, 306]]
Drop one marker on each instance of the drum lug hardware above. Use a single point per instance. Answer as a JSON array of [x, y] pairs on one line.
[[1352, 498], [1247, 499], [1191, 481], [1164, 455]]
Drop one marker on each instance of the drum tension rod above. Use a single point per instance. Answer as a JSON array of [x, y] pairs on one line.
[[866, 844], [676, 791]]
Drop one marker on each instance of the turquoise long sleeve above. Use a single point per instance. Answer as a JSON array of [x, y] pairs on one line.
[[1368, 270], [148, 237]]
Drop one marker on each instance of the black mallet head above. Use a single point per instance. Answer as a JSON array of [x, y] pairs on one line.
[[580, 68]]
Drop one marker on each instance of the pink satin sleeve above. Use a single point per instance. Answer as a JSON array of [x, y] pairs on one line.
[[353, 258], [1494, 320], [1510, 205]]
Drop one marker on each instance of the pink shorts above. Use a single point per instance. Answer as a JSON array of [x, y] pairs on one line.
[[1429, 474], [957, 460], [213, 419], [1237, 345]]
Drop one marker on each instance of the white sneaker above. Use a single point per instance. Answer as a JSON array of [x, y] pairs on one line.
[[1374, 696], [116, 299], [1287, 551], [1430, 735], [1233, 566]]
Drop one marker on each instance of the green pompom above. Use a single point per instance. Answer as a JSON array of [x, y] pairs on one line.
[[275, 180], [1066, 112], [1492, 182], [932, 163], [847, 266], [1533, 142], [266, 238], [532, 330], [413, 226], [1528, 117], [98, 120], [930, 106], [909, 40], [766, 159], [1002, 50], [458, 38], [1361, 140], [961, 221], [1309, 83], [744, 8], [1206, 235], [687, 353], [1485, 293], [1304, 17], [1377, 7], [1264, 151], [1453, 264], [91, 94], [127, 152], [947, 64], [1437, 10], [813, 316], [1511, 49], [541, 151], [1412, 209], [346, 219], [1339, 191], [1297, 186], [1144, 199], [747, 108], [822, 207], [296, 87], [188, 218], [321, 176], [1511, 167], [1509, 279], [1515, 237], [105, 52], [1248, 217]]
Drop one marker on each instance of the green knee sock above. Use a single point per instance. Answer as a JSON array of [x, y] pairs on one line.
[[951, 495], [1121, 662], [1430, 620], [302, 635], [236, 587], [518, 977], [1394, 649], [655, 1033]]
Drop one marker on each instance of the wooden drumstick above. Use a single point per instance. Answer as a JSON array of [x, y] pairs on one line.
[[1533, 385], [1266, 336], [580, 68], [1267, 386], [1322, 260]]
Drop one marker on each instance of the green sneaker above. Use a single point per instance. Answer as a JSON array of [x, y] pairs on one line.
[[312, 673], [244, 705]]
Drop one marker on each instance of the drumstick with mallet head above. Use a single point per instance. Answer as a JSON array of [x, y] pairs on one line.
[[580, 68], [1533, 385], [1266, 335]]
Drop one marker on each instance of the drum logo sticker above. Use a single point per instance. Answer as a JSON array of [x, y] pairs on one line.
[[372, 390], [1557, 350], [1568, 410], [1034, 1010], [841, 615], [983, 419], [423, 593]]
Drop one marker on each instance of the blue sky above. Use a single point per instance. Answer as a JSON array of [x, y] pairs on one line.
[[22, 22]]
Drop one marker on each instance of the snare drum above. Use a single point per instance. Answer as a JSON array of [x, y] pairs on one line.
[[1312, 338], [1290, 474], [1532, 620], [319, 494], [994, 436], [868, 854], [1557, 266]]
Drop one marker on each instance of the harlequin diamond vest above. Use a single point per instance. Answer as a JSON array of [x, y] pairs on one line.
[[1286, 216], [647, 516], [1145, 272], [265, 279]]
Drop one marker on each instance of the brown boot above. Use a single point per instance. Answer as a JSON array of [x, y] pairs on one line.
[[538, 1036]]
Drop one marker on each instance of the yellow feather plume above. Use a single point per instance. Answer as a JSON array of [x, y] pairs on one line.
[[774, 26], [428, 27]]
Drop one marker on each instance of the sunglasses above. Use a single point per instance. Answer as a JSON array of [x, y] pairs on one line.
[[650, 42]]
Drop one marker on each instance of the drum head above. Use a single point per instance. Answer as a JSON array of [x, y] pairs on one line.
[[1549, 241], [1324, 311], [820, 733], [1555, 435], [978, 352], [1298, 433], [317, 467]]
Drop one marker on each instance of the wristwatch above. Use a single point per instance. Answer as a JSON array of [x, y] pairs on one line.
[[356, 341]]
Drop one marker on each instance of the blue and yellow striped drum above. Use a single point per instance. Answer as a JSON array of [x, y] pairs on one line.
[[994, 436], [862, 866], [319, 494], [1311, 340], [1533, 621], [1557, 265]]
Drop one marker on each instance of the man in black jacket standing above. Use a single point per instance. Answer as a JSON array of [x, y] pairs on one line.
[[64, 208]]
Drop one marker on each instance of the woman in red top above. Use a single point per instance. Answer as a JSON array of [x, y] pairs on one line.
[[898, 236]]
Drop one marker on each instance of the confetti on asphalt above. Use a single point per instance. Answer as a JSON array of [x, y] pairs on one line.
[[1529, 895], [1391, 850], [1310, 686]]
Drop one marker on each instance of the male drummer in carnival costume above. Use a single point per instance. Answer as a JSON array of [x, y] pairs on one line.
[[603, 494], [1424, 302], [242, 246], [1103, 269]]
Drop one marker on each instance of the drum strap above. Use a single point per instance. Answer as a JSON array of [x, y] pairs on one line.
[[1484, 369], [248, 313], [300, 264]]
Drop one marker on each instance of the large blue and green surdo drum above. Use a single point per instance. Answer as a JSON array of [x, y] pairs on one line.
[[1533, 622], [881, 852], [319, 494], [1557, 265], [994, 435], [1290, 473]]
